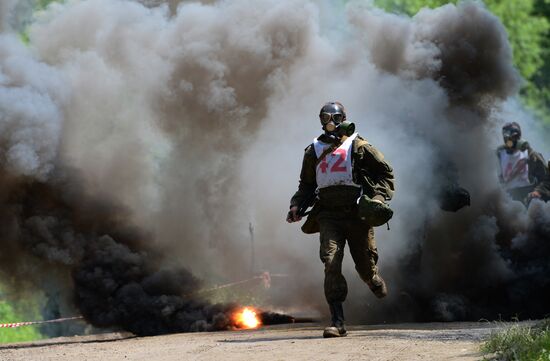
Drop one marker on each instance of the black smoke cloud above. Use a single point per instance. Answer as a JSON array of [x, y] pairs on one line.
[[117, 279]]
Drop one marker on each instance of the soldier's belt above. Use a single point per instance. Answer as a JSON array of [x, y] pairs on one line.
[[339, 196]]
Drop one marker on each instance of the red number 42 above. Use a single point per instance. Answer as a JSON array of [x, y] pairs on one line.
[[337, 166]]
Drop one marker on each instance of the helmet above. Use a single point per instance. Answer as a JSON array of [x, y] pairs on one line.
[[333, 120], [332, 111]]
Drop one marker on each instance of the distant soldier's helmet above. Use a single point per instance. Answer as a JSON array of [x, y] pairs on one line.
[[511, 132], [331, 115]]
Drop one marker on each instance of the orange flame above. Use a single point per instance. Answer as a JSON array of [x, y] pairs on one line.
[[246, 318]]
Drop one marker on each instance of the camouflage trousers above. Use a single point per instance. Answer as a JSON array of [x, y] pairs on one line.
[[360, 238]]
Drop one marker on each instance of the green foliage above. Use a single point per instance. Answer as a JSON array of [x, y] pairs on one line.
[[520, 343], [527, 23], [11, 312], [410, 7], [39, 5], [24, 36], [42, 4]]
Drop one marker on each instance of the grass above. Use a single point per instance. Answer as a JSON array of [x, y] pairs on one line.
[[9, 314], [19, 306], [521, 343]]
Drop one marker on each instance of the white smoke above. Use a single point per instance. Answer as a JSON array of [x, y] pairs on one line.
[[6, 8], [32, 96]]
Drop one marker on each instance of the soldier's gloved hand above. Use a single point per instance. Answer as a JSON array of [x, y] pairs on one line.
[[292, 216]]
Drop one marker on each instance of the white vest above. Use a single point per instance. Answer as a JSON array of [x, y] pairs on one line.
[[514, 168], [335, 168]]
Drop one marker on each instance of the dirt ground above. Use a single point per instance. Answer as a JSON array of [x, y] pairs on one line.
[[432, 341]]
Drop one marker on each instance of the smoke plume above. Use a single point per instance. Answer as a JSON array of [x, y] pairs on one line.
[[139, 139]]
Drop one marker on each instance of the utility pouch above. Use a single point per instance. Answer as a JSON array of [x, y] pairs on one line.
[[311, 225], [373, 212]]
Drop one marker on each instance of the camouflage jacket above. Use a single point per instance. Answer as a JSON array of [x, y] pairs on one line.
[[369, 168], [538, 171]]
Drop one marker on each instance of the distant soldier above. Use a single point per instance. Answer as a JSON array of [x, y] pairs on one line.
[[351, 182], [521, 168]]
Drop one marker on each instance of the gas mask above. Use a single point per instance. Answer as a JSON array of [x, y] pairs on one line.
[[334, 124], [511, 134]]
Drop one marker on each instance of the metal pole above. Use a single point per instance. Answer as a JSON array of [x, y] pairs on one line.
[[252, 255]]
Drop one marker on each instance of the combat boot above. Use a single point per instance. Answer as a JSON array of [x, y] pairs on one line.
[[378, 286], [337, 327]]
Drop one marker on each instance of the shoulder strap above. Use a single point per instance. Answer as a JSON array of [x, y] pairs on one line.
[[324, 154]]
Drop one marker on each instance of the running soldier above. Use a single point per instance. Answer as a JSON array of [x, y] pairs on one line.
[[351, 182]]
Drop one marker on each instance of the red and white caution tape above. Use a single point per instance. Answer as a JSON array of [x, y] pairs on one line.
[[19, 324], [265, 277]]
